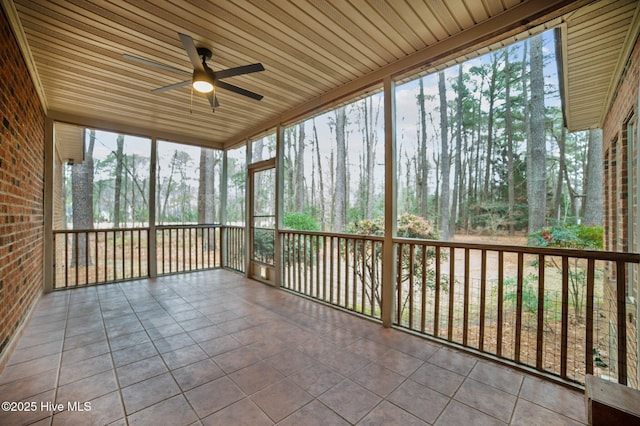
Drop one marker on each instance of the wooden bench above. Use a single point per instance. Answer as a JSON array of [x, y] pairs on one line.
[[610, 403]]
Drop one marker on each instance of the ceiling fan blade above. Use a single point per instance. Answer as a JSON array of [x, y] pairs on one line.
[[245, 69], [192, 51], [172, 86], [238, 90], [213, 100], [154, 64]]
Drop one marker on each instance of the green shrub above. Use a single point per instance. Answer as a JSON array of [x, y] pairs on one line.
[[300, 222], [367, 259], [569, 236], [574, 237]]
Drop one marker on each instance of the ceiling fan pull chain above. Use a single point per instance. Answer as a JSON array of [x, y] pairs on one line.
[[191, 101]]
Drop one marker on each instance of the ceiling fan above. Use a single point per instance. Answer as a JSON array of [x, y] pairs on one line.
[[203, 79]]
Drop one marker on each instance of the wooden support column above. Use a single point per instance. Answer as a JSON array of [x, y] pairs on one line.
[[49, 159], [388, 253], [223, 211], [279, 204], [152, 249]]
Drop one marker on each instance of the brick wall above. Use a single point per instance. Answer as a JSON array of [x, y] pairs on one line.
[[620, 134], [22, 123]]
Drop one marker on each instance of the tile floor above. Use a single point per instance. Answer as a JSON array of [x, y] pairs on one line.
[[214, 348]]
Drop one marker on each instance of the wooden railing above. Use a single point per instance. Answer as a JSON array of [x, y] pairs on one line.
[[84, 257], [187, 248], [561, 312], [558, 311], [234, 248], [335, 268]]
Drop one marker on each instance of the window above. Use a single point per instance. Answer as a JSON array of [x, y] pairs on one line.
[[334, 173]]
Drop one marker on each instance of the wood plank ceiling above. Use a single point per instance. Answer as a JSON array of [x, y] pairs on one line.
[[314, 52]]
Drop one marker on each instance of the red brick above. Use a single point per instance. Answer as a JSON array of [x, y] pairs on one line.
[[22, 121]]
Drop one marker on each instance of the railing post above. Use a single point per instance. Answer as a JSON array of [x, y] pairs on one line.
[[388, 252], [152, 255]]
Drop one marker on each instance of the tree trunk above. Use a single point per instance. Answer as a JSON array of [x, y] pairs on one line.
[[423, 171], [340, 212], [168, 189], [300, 190], [458, 161], [444, 159], [492, 98], [593, 203], [561, 168], [321, 177], [206, 186], [118, 183], [509, 133], [290, 169], [371, 120], [537, 173], [82, 203]]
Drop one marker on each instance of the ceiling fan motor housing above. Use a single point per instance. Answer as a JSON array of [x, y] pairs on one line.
[[204, 53]]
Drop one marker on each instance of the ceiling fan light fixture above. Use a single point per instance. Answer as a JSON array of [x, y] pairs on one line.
[[201, 82]]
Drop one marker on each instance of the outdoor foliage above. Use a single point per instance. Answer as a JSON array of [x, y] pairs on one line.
[[300, 222], [529, 299], [367, 256], [569, 236], [573, 237], [300, 247]]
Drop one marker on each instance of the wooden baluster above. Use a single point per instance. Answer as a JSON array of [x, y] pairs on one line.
[[465, 318], [541, 307], [452, 280], [436, 309], [500, 319], [518, 336], [589, 346], [423, 286], [483, 297], [564, 333]]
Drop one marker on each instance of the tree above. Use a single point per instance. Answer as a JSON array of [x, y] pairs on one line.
[[368, 123], [300, 188], [492, 101], [593, 192], [537, 170], [320, 195], [444, 159], [118, 182], [509, 133], [458, 152], [207, 186], [340, 199], [422, 175], [82, 202], [561, 173]]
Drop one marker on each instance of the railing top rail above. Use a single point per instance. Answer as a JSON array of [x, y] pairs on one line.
[[547, 251], [83, 231], [142, 228], [193, 225], [333, 234]]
